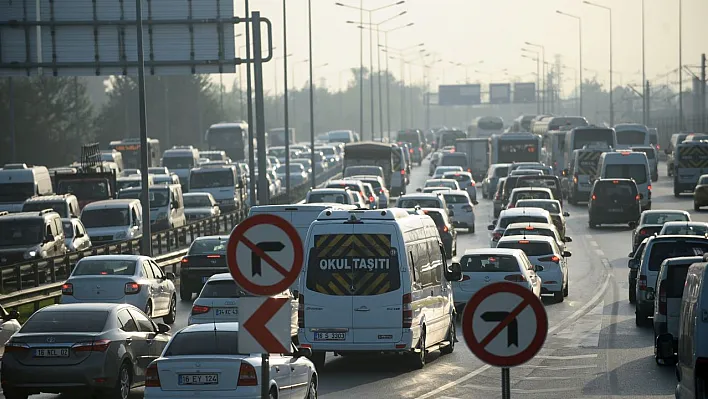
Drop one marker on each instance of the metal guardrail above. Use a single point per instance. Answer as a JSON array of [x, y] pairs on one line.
[[41, 280]]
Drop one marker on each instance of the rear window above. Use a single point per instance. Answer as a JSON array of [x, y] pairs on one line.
[[501, 171], [454, 160], [619, 189], [661, 251], [630, 137], [327, 198], [423, 203], [529, 232], [353, 265], [551, 207], [222, 289], [524, 195], [95, 267], [66, 321], [689, 230], [521, 219], [661, 218], [206, 247], [58, 207], [460, 178], [529, 248], [675, 280], [456, 199], [351, 186], [489, 264], [638, 172], [203, 343], [536, 182], [374, 183]]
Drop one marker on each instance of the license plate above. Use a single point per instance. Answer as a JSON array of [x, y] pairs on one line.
[[330, 336], [51, 352], [615, 210], [198, 379], [204, 279], [226, 312]]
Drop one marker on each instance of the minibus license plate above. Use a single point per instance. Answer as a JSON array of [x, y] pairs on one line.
[[330, 336], [51, 352], [198, 379]]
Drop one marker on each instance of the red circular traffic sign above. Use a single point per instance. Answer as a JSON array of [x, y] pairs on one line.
[[243, 272], [505, 313]]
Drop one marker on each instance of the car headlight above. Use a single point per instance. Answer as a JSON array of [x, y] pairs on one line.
[[121, 235], [34, 252]]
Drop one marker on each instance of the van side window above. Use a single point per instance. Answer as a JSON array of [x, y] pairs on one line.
[[427, 277], [414, 272], [147, 271], [57, 227], [134, 217], [436, 260]]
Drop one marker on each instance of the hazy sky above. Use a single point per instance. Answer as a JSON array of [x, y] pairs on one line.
[[488, 31]]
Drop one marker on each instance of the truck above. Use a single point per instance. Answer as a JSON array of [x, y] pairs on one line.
[[690, 162], [92, 180], [578, 179], [130, 152], [476, 150], [384, 155]]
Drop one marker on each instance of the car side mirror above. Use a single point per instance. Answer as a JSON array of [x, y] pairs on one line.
[[632, 225], [454, 272], [490, 227], [566, 214], [48, 239], [170, 276], [567, 254], [633, 263], [418, 190], [163, 328], [567, 239], [538, 268], [303, 352], [13, 314]]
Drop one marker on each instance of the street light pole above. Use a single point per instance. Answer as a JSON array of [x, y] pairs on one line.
[[612, 104], [538, 77], [644, 74], [286, 116], [312, 98], [543, 75], [680, 65], [580, 50]]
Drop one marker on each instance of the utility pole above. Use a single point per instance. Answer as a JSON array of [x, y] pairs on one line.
[[703, 93], [647, 96]]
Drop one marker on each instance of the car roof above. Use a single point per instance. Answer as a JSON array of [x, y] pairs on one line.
[[494, 251], [215, 237], [129, 257], [196, 194], [524, 211], [341, 181], [83, 307], [535, 225], [111, 203], [528, 238], [49, 198], [682, 260], [458, 172], [676, 238], [655, 211], [221, 277], [206, 327], [685, 223]]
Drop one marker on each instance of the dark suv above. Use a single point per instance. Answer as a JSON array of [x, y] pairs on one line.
[[205, 257], [445, 228], [29, 236], [614, 201]]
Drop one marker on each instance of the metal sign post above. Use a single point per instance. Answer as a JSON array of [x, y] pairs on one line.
[[263, 186], [146, 242], [506, 383]]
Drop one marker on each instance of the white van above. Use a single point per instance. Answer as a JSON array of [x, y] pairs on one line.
[[66, 205], [376, 281], [221, 181], [628, 165], [113, 220], [166, 205], [180, 160], [18, 182], [113, 156], [632, 135], [692, 367], [125, 182]]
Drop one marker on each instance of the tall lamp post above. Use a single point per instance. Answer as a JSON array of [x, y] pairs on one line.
[[612, 104], [538, 77], [402, 53], [275, 81], [371, 56], [580, 51], [388, 78], [543, 75]]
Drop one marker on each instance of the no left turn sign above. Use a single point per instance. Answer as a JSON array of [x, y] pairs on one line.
[[264, 254]]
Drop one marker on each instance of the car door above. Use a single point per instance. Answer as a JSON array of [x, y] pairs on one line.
[[153, 289], [154, 342], [84, 242], [280, 372], [165, 290], [299, 375], [136, 343]]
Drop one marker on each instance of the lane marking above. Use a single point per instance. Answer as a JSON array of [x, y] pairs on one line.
[[599, 252], [520, 391], [575, 357], [559, 368], [550, 378], [551, 330], [594, 243]]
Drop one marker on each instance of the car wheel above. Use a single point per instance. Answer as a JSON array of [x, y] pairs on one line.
[[11, 393], [451, 337], [184, 293], [592, 224], [312, 392], [273, 394], [632, 294], [123, 383], [677, 193], [565, 290], [471, 230], [558, 297], [148, 309], [172, 316], [418, 358], [696, 207]]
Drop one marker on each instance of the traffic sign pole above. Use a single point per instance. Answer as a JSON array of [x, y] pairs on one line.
[[506, 383]]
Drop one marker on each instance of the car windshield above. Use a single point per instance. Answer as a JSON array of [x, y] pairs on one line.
[[203, 343], [441, 183], [621, 189], [158, 197], [663, 250], [456, 198], [521, 219], [68, 229], [530, 248], [529, 232], [197, 201], [102, 267], [172, 163], [551, 207], [221, 178], [327, 198], [10, 192], [222, 289], [93, 218], [66, 321], [208, 246], [423, 203], [84, 189], [531, 194], [489, 264], [638, 172], [663, 217], [21, 232]]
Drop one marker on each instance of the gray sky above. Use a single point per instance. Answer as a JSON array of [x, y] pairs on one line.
[[491, 32]]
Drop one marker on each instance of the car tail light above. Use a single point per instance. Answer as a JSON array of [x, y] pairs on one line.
[[594, 197], [198, 309], [14, 347], [637, 197], [496, 236], [100, 345], [649, 187], [662, 299], [642, 283], [67, 289], [185, 260], [213, 256], [642, 232], [515, 278], [371, 199], [575, 179], [553, 258], [444, 229], [467, 208], [132, 288], [152, 377], [465, 277], [407, 310], [411, 150], [472, 184], [301, 311], [403, 171], [247, 376]]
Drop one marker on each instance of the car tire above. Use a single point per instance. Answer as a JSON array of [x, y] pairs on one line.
[[558, 297], [451, 337], [632, 294], [471, 230], [123, 383], [148, 309], [640, 319], [696, 207], [273, 394], [312, 391], [12, 393], [592, 224], [184, 293], [418, 358], [172, 316], [318, 359], [677, 193], [566, 289]]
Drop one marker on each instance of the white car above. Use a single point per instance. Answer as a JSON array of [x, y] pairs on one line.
[[518, 215], [205, 359], [218, 302], [538, 229], [463, 211], [549, 261], [466, 182], [449, 183], [133, 279], [492, 265], [441, 170], [198, 205]]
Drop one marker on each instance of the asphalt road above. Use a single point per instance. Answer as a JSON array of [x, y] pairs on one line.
[[593, 349]]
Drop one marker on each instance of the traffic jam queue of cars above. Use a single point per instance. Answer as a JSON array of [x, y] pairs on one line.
[[382, 270]]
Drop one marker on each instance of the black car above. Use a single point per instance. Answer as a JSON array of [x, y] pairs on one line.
[[551, 182], [507, 187], [28, 236], [614, 201], [205, 257], [445, 228], [633, 265]]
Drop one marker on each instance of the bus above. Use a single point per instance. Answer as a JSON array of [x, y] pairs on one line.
[[522, 123], [231, 137], [514, 147], [485, 126], [276, 137], [558, 123], [589, 136], [448, 137], [632, 135], [553, 151], [130, 151]]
